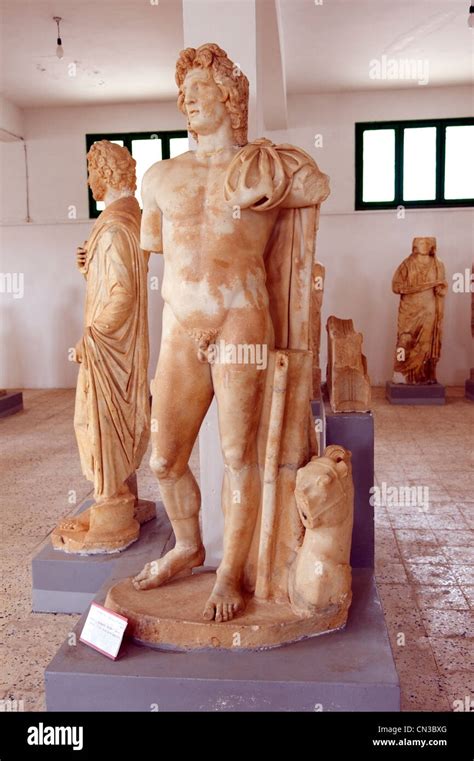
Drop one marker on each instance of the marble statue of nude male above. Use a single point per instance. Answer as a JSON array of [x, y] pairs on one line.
[[214, 290]]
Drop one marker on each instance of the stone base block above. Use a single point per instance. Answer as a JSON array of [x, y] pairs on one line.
[[10, 403], [349, 670], [407, 393], [67, 583]]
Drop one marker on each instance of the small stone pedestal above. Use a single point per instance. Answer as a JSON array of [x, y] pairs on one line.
[[10, 403], [170, 618], [67, 583], [354, 431], [469, 387], [408, 393]]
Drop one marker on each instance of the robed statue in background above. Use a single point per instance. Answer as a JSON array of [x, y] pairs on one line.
[[112, 400], [421, 282]]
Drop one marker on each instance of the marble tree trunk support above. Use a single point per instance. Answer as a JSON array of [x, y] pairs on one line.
[[112, 400], [420, 281], [317, 293], [347, 379]]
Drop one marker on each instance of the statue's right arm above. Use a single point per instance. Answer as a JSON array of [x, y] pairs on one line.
[[150, 235], [399, 280]]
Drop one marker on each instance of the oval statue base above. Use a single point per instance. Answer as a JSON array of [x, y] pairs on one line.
[[170, 617]]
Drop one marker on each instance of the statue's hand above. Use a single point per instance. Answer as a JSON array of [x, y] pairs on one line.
[[78, 352], [81, 255]]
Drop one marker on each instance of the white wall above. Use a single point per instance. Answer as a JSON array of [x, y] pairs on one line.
[[360, 249], [37, 330], [11, 117]]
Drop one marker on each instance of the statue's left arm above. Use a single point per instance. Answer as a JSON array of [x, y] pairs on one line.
[[266, 176], [309, 187], [442, 287], [118, 288]]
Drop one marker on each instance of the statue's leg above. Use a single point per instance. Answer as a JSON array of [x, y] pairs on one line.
[[182, 392], [239, 393]]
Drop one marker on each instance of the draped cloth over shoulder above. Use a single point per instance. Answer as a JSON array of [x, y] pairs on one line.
[[265, 176], [112, 408], [261, 177]]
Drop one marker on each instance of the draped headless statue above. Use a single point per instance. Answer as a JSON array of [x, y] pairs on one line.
[[236, 223], [112, 400], [421, 282]]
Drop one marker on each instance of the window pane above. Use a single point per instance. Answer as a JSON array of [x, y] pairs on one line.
[[459, 166], [145, 152], [419, 164], [378, 178], [178, 145], [100, 205]]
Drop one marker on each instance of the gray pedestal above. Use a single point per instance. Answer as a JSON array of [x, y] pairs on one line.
[[66, 583], [354, 431], [469, 389], [10, 403], [350, 670], [406, 393]]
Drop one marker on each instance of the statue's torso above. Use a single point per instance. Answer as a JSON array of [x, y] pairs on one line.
[[213, 251]]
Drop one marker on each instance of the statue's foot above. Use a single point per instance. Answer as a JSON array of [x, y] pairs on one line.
[[225, 601], [179, 560], [399, 378], [79, 522]]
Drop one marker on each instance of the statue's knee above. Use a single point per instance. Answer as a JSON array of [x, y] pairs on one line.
[[166, 469], [160, 466], [236, 457]]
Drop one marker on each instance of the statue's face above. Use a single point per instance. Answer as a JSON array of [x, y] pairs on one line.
[[203, 102], [96, 184], [422, 246]]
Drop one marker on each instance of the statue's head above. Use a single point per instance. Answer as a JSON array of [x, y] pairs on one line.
[[212, 89], [110, 166], [424, 246], [321, 485]]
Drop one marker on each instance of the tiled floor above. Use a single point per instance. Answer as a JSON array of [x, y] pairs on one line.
[[424, 554]]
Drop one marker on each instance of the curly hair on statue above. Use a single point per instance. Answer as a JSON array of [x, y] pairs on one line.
[[114, 164], [227, 75]]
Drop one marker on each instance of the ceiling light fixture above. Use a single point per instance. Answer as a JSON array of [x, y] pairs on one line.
[[59, 49], [470, 18]]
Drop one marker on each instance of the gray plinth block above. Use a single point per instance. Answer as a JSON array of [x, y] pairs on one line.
[[67, 583], [10, 403], [407, 393], [350, 670], [316, 408], [355, 431], [469, 389]]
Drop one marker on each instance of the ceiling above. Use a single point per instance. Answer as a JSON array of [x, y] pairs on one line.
[[329, 47], [125, 50]]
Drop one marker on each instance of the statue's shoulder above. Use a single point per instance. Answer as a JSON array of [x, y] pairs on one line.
[[160, 169], [289, 154]]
